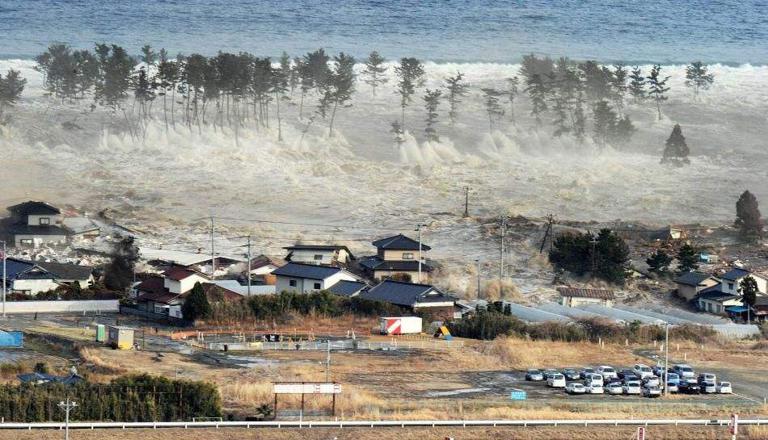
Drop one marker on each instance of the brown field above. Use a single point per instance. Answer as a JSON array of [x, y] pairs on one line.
[[570, 433]]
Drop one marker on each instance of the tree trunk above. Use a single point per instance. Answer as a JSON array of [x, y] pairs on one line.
[[279, 121], [333, 117]]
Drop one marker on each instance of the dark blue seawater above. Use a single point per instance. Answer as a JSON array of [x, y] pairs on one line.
[[668, 31]]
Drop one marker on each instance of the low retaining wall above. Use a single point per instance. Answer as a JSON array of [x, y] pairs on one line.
[[102, 305]]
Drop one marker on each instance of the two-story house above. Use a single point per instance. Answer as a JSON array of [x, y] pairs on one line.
[[35, 223], [320, 254], [731, 281], [397, 256], [307, 278]]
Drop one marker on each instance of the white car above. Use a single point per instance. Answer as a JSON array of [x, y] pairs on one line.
[[685, 371], [642, 371], [575, 388], [652, 381], [707, 377], [651, 391], [556, 381], [594, 388], [708, 387], [673, 387], [724, 388], [607, 372], [614, 388], [633, 387], [594, 378]]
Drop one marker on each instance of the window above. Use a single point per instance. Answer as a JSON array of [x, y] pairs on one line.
[[292, 283], [318, 257], [45, 220], [317, 286], [26, 241], [730, 286], [407, 255]]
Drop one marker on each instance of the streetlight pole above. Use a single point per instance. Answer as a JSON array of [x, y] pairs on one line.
[[248, 274], [5, 275], [477, 262], [418, 229], [666, 360], [68, 406]]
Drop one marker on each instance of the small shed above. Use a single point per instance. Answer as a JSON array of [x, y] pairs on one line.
[[101, 333], [120, 337], [574, 297]]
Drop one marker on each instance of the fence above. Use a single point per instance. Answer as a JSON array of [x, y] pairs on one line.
[[157, 317], [78, 306], [347, 344]]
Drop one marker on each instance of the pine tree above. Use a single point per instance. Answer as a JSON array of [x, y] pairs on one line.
[[279, 83], [659, 262], [512, 92], [597, 80], [619, 86], [410, 73], [168, 76], [431, 102], [748, 217], [749, 290], [196, 305], [604, 122], [11, 88], [687, 260], [374, 71], [657, 87], [118, 274], [397, 132], [698, 77], [637, 85], [341, 84], [457, 89], [537, 92], [676, 149], [492, 106]]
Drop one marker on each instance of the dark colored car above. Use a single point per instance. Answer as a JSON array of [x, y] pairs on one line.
[[630, 378], [689, 387], [534, 375], [571, 374], [624, 373]]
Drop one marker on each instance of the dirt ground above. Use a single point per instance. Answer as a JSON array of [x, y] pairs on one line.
[[569, 433]]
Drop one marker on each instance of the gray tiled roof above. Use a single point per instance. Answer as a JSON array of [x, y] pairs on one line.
[[405, 294], [34, 208], [692, 278], [309, 271], [376, 263], [67, 271], [735, 274], [347, 288], [400, 242]]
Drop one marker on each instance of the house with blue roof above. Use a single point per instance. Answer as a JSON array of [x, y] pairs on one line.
[[731, 280], [308, 278]]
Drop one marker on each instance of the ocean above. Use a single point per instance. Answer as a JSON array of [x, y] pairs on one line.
[[666, 32]]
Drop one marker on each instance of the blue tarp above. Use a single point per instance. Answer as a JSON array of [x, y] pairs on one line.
[[11, 339], [736, 309]]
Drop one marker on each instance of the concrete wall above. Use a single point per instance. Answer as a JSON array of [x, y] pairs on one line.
[[33, 287], [109, 305]]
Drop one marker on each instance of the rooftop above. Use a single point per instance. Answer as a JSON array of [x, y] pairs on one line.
[[405, 294], [376, 263], [33, 207], [347, 288], [692, 278], [177, 273], [735, 273], [66, 271], [574, 292], [308, 271], [400, 242]]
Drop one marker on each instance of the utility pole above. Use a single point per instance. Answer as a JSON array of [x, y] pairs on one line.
[[328, 362], [666, 360], [593, 240], [477, 262], [5, 276], [68, 406], [248, 274], [547, 232], [466, 201], [418, 229], [213, 253], [502, 232]]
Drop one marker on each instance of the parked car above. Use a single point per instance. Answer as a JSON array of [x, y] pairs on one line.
[[556, 381], [575, 388], [586, 371], [642, 371], [594, 378], [594, 388], [689, 386], [549, 372], [684, 371], [631, 378], [724, 388], [633, 387], [651, 391], [707, 377], [658, 370], [673, 387], [571, 374], [534, 375], [624, 373], [708, 387], [606, 371], [614, 388], [674, 378], [651, 381]]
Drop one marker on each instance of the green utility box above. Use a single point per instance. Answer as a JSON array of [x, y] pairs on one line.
[[101, 333]]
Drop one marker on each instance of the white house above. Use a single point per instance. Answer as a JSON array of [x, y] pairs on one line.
[[180, 280], [731, 280], [28, 278], [307, 278], [327, 255]]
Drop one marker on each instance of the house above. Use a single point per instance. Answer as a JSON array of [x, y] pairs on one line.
[[42, 379], [181, 280], [242, 289], [760, 309], [306, 278], [155, 295], [198, 261], [415, 297], [348, 288], [691, 283], [397, 256], [27, 278], [574, 297], [264, 265], [713, 300], [327, 255], [35, 223], [69, 274], [731, 280]]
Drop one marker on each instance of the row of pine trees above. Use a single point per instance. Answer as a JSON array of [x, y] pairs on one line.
[[232, 90]]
